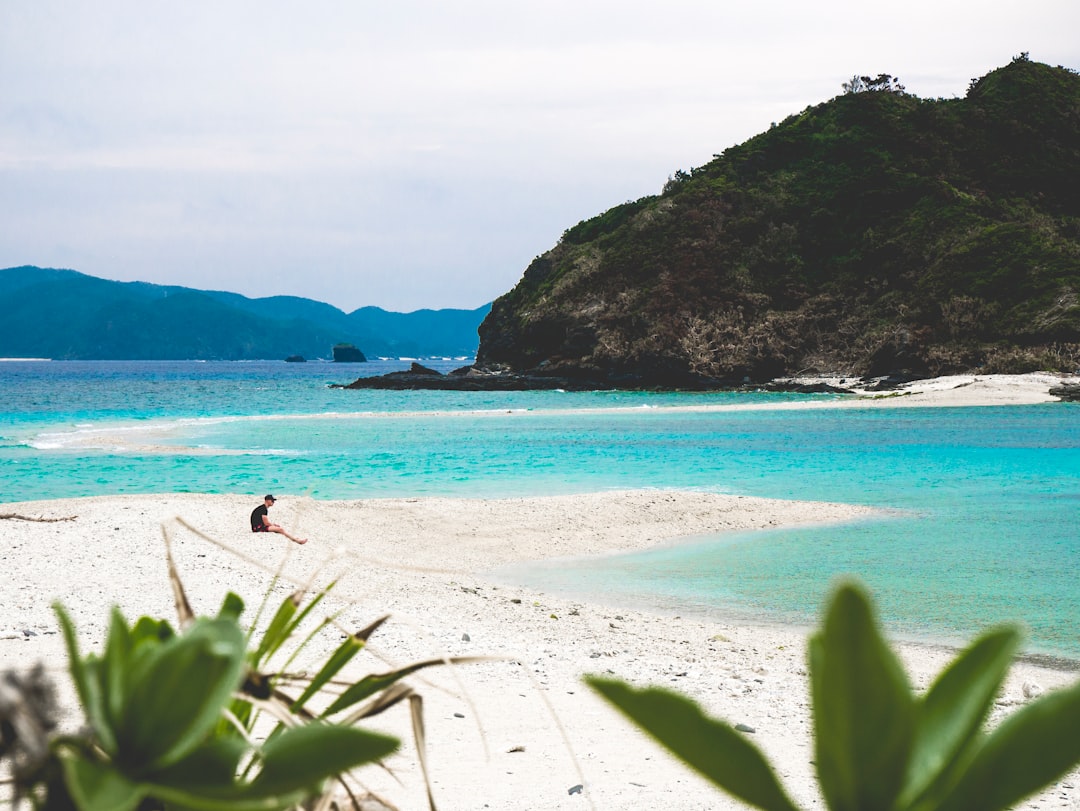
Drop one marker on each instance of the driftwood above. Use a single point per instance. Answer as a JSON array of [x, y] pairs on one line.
[[17, 517]]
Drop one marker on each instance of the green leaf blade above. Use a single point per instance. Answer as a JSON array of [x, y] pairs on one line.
[[86, 676], [214, 765], [276, 632], [710, 747], [231, 607], [341, 657], [233, 799], [305, 756], [96, 786], [147, 629], [115, 671], [864, 715], [953, 710], [372, 684], [1031, 749], [178, 693]]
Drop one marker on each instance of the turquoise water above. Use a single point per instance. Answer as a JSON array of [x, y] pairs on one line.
[[985, 501]]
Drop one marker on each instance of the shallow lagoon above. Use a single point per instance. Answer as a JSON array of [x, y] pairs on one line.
[[983, 502]]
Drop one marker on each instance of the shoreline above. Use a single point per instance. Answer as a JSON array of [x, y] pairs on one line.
[[492, 740], [956, 391]]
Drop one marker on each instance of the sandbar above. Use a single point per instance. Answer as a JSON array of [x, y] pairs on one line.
[[518, 732]]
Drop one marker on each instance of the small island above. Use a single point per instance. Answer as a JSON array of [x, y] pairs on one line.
[[875, 235], [347, 353]]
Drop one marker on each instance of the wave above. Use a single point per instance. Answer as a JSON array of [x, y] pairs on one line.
[[185, 434]]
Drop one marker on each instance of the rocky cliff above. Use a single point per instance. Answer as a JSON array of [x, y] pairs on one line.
[[874, 234]]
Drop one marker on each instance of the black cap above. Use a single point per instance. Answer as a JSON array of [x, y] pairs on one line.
[[269, 498]]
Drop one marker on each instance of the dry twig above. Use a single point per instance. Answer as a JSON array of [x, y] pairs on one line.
[[17, 517]]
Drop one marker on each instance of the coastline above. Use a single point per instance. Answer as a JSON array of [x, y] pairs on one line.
[[956, 391], [427, 561]]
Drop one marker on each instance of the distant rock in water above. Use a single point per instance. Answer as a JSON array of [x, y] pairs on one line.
[[296, 359], [347, 353], [1068, 392], [418, 369], [468, 378], [474, 378]]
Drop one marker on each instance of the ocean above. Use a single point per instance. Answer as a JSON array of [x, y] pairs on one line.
[[981, 505]]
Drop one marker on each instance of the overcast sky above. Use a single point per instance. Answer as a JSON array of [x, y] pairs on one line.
[[417, 154]]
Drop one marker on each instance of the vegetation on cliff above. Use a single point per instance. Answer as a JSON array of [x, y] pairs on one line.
[[876, 233]]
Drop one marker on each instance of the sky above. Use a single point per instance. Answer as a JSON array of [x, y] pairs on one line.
[[417, 154]]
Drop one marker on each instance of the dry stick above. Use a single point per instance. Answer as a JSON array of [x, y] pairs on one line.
[[17, 517], [184, 613]]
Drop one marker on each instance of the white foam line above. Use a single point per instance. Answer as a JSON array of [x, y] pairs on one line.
[[990, 390]]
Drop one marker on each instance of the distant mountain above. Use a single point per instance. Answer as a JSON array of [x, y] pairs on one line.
[[876, 233], [64, 314]]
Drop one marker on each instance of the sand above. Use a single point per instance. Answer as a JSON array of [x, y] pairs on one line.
[[517, 732], [425, 562]]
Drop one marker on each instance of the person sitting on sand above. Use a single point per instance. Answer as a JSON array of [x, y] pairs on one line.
[[260, 521]]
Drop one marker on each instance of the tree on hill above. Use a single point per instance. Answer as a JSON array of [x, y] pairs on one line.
[[875, 233], [882, 83]]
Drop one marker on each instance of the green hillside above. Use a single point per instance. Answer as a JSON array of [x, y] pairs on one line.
[[876, 233], [64, 314]]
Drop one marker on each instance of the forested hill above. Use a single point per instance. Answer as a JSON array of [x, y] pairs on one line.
[[64, 314], [876, 233]]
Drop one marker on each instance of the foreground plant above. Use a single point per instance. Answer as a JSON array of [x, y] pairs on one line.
[[152, 702], [878, 746], [171, 715]]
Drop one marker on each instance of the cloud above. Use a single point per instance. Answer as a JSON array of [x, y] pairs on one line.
[[420, 153]]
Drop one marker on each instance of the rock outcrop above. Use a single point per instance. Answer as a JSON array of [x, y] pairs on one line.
[[876, 234], [347, 353], [472, 378], [1067, 392], [469, 378]]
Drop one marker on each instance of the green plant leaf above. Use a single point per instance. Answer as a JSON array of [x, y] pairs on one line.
[[295, 624], [87, 683], [341, 657], [370, 685], [281, 626], [1031, 749], [232, 799], [148, 629], [75, 663], [96, 786], [953, 709], [708, 746], [231, 607], [864, 716], [318, 598], [303, 757], [213, 765], [177, 693], [275, 633], [114, 671]]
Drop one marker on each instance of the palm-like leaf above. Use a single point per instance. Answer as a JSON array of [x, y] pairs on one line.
[[681, 727], [863, 708], [878, 747]]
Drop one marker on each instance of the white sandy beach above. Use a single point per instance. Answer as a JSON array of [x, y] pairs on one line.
[[967, 390], [493, 740]]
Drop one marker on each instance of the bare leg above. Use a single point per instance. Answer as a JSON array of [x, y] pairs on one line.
[[281, 531]]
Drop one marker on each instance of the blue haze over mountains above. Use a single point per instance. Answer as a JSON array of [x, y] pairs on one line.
[[64, 314]]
